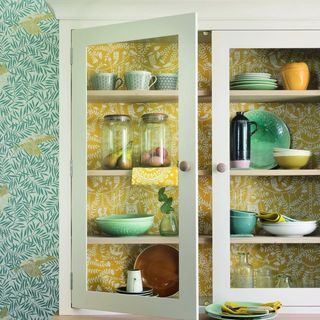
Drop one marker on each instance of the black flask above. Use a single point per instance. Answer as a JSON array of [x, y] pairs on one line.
[[240, 135]]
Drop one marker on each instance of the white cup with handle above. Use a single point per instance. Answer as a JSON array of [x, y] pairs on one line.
[[134, 281]]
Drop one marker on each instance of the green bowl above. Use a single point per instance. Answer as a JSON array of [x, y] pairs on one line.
[[242, 225], [241, 213], [125, 225]]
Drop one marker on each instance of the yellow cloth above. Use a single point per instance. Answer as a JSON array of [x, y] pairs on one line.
[[165, 176], [234, 308], [271, 217]]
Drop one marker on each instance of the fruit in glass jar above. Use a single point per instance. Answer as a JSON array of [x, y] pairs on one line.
[[166, 162], [161, 152], [155, 161], [124, 163], [145, 157], [110, 161]]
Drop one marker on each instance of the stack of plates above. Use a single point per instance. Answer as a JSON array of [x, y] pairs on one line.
[[253, 81], [146, 292], [214, 311]]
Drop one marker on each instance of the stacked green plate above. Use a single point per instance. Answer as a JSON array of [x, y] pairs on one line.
[[253, 81]]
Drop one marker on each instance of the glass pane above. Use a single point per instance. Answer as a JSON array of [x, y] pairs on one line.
[[133, 126], [279, 124]]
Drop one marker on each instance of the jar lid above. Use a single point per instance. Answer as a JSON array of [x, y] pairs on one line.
[[117, 117], [154, 117]]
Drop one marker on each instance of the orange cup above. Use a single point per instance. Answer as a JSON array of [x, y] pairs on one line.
[[295, 75]]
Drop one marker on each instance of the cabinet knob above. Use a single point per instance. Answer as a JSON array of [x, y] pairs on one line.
[[221, 167], [185, 166]]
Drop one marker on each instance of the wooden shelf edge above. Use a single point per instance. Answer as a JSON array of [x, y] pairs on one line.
[[127, 173], [238, 96], [145, 239], [140, 96], [275, 172], [274, 240]]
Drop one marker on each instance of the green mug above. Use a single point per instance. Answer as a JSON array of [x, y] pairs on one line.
[[139, 80], [106, 81]]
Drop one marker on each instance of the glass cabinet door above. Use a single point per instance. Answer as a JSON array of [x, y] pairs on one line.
[[265, 260], [134, 154]]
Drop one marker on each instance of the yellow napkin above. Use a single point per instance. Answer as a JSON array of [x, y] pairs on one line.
[[271, 217], [234, 308], [165, 176]]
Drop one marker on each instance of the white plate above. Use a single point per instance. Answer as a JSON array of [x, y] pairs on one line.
[[290, 229]]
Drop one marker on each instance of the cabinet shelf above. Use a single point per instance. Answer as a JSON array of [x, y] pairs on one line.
[[146, 239], [275, 173], [127, 173], [140, 96], [274, 240], [274, 96]]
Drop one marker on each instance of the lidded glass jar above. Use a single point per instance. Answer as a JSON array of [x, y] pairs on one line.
[[117, 142], [155, 140]]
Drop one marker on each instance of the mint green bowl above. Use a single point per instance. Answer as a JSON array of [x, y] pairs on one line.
[[125, 225]]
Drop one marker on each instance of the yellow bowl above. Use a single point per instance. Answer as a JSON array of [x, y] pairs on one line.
[[292, 162]]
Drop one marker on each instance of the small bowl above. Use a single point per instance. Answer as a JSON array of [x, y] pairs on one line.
[[292, 161], [243, 225], [290, 229], [241, 213], [125, 225]]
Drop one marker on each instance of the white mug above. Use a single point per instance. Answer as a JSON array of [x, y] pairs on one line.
[[134, 281]]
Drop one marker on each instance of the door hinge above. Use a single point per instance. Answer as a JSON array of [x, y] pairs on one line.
[[71, 280], [71, 168], [71, 56]]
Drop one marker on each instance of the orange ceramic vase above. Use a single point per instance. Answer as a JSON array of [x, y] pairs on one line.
[[295, 76]]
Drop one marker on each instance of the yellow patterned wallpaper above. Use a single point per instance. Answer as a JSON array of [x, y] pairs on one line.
[[297, 197], [107, 264]]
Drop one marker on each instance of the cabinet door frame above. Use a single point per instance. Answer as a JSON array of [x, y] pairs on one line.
[[293, 299], [186, 306]]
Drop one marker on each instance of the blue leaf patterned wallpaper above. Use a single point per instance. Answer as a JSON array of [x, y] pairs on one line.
[[29, 118]]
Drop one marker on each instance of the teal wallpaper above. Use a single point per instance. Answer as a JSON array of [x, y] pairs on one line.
[[29, 118]]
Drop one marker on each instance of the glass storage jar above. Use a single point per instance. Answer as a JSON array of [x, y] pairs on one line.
[[117, 142], [263, 278], [243, 274], [155, 143]]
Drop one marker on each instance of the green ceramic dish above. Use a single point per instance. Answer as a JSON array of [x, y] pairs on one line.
[[249, 81], [255, 86], [125, 225], [214, 311], [272, 133]]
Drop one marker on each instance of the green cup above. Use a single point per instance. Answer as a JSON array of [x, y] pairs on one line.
[[106, 81], [139, 80]]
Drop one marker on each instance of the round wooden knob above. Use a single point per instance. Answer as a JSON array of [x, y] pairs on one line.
[[221, 167], [185, 166]]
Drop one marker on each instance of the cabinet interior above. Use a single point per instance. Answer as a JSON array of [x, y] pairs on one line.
[[295, 196], [107, 263]]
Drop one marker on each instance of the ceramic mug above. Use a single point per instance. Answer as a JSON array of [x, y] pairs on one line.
[[166, 81], [139, 80], [134, 281], [106, 81]]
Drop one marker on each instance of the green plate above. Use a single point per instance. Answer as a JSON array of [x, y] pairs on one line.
[[254, 81], [255, 86], [272, 133], [214, 311]]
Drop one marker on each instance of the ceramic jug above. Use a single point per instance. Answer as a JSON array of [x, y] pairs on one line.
[[240, 135], [134, 281]]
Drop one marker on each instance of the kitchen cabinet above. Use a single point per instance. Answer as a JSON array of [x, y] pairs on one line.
[[275, 190], [202, 255]]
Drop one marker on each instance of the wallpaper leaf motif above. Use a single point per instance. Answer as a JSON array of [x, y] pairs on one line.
[[4, 197], [32, 265], [31, 22], [3, 312], [28, 161], [31, 144], [3, 75]]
